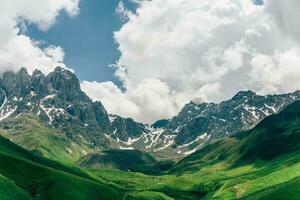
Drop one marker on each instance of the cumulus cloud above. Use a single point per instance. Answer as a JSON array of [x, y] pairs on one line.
[[173, 51], [151, 100], [18, 50], [111, 96], [276, 73]]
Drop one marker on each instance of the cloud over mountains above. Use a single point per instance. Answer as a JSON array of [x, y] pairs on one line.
[[171, 51], [18, 50], [210, 49]]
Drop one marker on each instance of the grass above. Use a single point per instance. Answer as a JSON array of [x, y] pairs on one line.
[[9, 190], [147, 196], [30, 133], [215, 182], [33, 177], [289, 190]]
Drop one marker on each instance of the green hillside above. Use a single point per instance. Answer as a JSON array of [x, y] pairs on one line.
[[277, 135], [33, 135], [26, 176], [258, 162]]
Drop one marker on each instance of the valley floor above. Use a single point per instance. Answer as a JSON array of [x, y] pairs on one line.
[[279, 179]]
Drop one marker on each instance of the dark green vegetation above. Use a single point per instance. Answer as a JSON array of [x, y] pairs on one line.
[[27, 176], [128, 160], [118, 159]]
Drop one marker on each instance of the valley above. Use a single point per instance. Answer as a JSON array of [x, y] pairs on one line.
[[57, 144]]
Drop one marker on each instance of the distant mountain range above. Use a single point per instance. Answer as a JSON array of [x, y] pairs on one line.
[[63, 115]]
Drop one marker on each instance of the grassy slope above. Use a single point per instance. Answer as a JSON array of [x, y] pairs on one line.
[[9, 190], [289, 190], [33, 135], [33, 177]]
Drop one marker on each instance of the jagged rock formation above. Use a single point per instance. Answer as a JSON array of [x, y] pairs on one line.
[[58, 101], [198, 124]]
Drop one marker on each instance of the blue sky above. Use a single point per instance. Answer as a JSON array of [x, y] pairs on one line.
[[87, 38]]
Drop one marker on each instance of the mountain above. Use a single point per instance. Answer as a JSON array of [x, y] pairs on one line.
[[276, 136], [57, 100], [200, 123], [51, 109], [65, 116]]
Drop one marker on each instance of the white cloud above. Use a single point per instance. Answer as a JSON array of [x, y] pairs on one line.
[[123, 12], [171, 40], [112, 98], [18, 50], [277, 73], [173, 51], [151, 100], [286, 15]]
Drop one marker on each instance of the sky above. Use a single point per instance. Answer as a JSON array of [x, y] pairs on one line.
[[146, 59], [86, 38]]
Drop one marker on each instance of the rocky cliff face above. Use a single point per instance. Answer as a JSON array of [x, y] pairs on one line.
[[198, 124], [57, 100]]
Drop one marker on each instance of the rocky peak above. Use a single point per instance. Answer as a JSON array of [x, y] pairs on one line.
[[37, 72], [125, 128], [39, 84], [16, 84], [23, 83], [244, 95], [65, 83], [59, 102], [55, 96]]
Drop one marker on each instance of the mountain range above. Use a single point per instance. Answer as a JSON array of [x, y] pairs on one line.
[[55, 115], [261, 163]]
